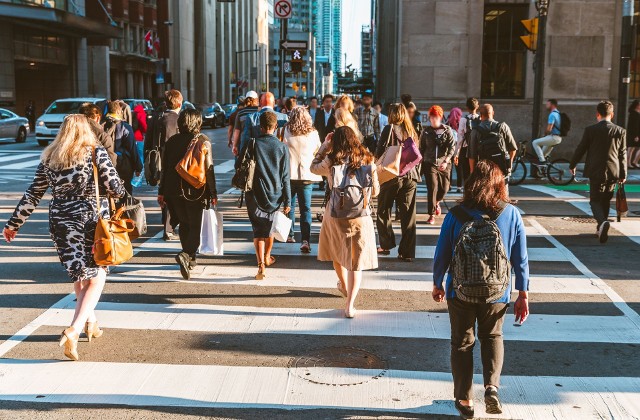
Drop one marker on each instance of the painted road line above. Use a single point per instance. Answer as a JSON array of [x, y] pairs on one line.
[[413, 281], [22, 165], [11, 158], [225, 167], [369, 323], [617, 300], [245, 387]]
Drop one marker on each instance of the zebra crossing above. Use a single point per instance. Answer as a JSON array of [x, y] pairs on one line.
[[18, 160], [222, 321]]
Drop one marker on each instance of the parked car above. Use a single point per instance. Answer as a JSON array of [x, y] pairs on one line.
[[187, 105], [213, 115], [146, 104], [49, 123], [13, 126], [228, 110]]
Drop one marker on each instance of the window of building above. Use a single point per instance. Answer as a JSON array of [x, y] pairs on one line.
[[634, 87], [503, 52]]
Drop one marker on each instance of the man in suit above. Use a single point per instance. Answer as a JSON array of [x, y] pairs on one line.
[[325, 121], [606, 164]]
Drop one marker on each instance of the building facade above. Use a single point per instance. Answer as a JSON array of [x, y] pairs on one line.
[[366, 51], [445, 51], [329, 34]]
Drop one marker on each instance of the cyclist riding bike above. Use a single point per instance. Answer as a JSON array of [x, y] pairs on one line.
[[553, 135]]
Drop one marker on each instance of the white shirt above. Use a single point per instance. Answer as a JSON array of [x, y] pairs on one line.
[[462, 130], [302, 150], [327, 115], [384, 121]]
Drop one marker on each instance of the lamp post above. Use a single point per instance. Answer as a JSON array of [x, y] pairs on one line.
[[542, 6], [626, 52]]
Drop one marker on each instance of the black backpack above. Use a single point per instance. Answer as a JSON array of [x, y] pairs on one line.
[[491, 146], [565, 124], [480, 268], [472, 124]]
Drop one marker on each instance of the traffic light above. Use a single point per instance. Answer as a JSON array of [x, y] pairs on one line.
[[531, 39]]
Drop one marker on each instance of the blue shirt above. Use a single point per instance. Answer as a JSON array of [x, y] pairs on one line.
[[252, 125], [513, 236], [554, 118]]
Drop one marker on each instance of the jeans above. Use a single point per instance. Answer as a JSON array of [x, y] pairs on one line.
[[438, 183], [463, 317], [402, 191], [544, 145], [600, 195], [140, 146], [303, 192]]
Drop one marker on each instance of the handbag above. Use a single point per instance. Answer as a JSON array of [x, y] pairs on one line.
[[111, 242], [622, 208], [211, 233], [193, 166], [134, 210], [243, 178], [411, 156], [388, 165], [280, 227], [153, 166]]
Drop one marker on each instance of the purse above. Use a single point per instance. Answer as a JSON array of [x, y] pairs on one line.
[[411, 156], [243, 178], [111, 242], [622, 208], [193, 166], [134, 210], [388, 165]]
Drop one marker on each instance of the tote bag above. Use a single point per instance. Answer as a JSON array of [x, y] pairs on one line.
[[211, 233], [388, 165], [134, 210], [411, 156], [280, 227]]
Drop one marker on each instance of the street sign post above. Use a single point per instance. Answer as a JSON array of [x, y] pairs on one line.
[[287, 67], [282, 9], [287, 44]]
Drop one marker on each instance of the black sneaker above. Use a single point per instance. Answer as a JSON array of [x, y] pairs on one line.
[[183, 261], [603, 232], [491, 401], [466, 412]]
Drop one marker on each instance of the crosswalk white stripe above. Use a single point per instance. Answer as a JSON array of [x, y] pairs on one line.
[[22, 165], [15, 157], [370, 323], [413, 281], [401, 391], [225, 167]]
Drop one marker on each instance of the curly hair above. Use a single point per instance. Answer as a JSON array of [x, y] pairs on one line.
[[346, 147], [300, 123]]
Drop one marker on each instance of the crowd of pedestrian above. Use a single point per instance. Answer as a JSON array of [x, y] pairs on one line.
[[360, 151]]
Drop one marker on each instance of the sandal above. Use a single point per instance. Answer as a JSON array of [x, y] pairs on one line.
[[383, 251], [272, 260], [261, 272]]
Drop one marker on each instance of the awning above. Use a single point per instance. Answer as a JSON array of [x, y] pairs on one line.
[[57, 21]]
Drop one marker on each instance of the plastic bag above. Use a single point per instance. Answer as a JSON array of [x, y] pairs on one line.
[[281, 226], [211, 233]]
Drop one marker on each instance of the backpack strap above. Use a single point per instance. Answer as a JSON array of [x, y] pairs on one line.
[[502, 205], [461, 214]]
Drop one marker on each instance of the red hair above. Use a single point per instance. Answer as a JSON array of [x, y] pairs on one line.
[[436, 111]]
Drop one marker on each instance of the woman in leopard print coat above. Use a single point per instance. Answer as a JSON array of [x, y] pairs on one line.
[[67, 168]]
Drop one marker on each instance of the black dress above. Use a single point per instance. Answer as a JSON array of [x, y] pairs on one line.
[[633, 129]]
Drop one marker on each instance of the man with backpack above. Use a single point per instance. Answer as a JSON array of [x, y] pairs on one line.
[[481, 241], [467, 124], [128, 161], [556, 124], [492, 140]]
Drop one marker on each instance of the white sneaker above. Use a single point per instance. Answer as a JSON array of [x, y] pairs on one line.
[[603, 232]]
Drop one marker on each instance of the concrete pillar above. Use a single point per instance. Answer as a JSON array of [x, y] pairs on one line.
[[7, 66], [130, 85], [99, 71], [82, 68]]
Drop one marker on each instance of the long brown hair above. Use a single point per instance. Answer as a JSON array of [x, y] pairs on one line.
[[346, 147], [485, 188], [398, 115]]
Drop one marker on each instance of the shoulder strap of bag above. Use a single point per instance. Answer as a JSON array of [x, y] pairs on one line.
[[461, 214], [95, 177]]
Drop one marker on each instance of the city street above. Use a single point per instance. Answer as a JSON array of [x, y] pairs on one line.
[[225, 345]]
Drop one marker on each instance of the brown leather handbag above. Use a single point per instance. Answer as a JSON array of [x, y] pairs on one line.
[[111, 243], [193, 166]]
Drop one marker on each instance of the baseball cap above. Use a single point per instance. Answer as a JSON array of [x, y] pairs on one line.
[[252, 94]]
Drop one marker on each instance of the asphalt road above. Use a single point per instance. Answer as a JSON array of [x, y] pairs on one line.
[[226, 346]]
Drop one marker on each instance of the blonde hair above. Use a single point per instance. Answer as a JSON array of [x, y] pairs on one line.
[[69, 148], [344, 118], [399, 116], [344, 102], [300, 122]]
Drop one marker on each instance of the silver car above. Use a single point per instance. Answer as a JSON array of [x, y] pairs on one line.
[[13, 126]]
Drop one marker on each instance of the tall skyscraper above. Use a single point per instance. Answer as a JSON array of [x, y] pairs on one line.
[[329, 27]]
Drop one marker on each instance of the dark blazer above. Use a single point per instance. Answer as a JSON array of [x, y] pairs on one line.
[[319, 123], [606, 147], [163, 127]]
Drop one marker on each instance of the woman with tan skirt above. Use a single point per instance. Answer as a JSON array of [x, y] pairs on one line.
[[350, 243]]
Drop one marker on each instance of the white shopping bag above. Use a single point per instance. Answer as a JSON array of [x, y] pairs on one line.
[[281, 226], [211, 236]]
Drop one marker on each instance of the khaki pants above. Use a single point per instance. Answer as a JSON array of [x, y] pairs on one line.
[[544, 145]]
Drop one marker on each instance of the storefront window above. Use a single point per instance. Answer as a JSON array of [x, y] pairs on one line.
[[503, 53]]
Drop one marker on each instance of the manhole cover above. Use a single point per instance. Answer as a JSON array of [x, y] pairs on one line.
[[363, 366], [579, 219]]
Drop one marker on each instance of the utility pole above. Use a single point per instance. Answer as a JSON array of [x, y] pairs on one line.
[[543, 7], [626, 53], [284, 28]]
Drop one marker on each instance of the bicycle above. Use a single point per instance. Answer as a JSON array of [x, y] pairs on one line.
[[557, 170]]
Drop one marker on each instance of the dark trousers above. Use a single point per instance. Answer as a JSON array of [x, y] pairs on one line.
[[370, 143], [463, 170], [463, 317], [600, 195], [438, 183], [402, 191], [189, 215]]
